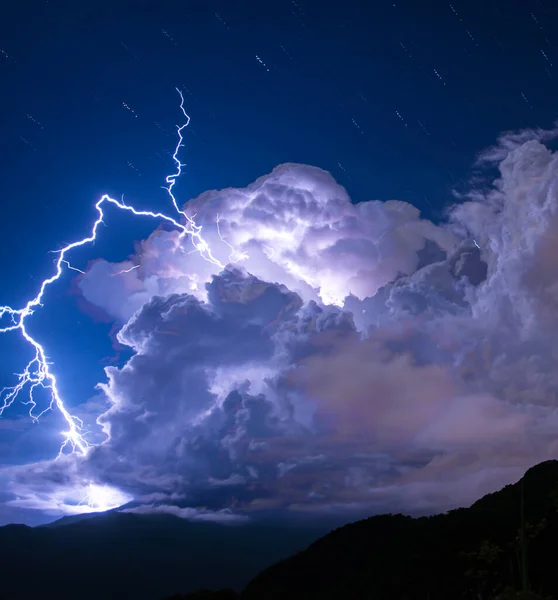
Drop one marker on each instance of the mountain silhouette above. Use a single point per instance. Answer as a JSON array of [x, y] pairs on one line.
[[486, 551], [505, 542], [119, 555]]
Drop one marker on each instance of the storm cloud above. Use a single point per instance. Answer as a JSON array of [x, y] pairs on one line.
[[350, 358]]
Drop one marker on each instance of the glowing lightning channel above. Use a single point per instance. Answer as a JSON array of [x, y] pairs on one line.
[[73, 268], [126, 270], [191, 228], [234, 256], [37, 373]]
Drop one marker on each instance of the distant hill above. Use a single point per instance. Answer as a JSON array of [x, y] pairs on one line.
[[472, 553], [116, 556], [467, 554]]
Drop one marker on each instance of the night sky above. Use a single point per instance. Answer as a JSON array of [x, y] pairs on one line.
[[363, 356]]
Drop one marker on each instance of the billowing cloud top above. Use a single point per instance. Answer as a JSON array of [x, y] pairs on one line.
[[351, 358], [296, 226]]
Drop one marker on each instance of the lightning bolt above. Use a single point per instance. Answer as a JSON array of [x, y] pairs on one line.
[[126, 270], [73, 268], [191, 229], [37, 373], [234, 256]]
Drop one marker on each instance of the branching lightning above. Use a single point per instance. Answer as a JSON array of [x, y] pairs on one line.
[[37, 373], [73, 268], [191, 229], [234, 256], [126, 270]]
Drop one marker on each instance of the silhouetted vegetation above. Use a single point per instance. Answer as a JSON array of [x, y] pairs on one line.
[[504, 547]]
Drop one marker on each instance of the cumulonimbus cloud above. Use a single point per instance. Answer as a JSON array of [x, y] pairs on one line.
[[350, 358]]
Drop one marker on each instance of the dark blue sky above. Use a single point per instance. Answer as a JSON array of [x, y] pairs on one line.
[[393, 98]]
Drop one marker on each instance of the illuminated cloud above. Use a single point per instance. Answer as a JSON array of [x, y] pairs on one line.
[[354, 358], [59, 487], [296, 226], [225, 516]]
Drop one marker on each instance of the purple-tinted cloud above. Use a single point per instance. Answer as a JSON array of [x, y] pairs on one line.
[[356, 358]]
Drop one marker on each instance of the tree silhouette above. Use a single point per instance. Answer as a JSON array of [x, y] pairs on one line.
[[501, 548]]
